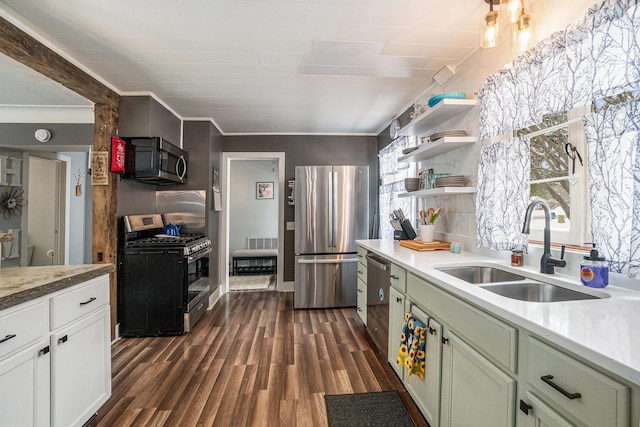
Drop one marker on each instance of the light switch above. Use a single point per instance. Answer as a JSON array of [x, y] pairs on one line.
[[291, 225]]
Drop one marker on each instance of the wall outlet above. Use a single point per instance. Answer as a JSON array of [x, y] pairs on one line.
[[291, 225]]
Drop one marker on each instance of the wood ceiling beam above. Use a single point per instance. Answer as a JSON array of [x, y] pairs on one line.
[[25, 49]]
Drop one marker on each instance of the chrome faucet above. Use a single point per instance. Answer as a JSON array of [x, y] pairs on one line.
[[547, 262]]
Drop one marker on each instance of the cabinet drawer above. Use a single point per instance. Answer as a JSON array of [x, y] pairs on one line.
[[362, 289], [68, 306], [362, 308], [362, 272], [362, 256], [399, 278], [22, 325], [602, 401], [487, 334]]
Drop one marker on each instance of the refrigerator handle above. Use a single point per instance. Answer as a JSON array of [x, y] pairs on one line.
[[330, 211], [334, 210], [327, 261]]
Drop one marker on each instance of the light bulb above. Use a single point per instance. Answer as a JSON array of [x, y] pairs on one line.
[[522, 36], [512, 9], [489, 30]]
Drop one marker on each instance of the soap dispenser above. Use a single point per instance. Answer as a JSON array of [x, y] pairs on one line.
[[594, 270]]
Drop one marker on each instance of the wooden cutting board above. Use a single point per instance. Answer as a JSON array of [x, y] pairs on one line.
[[425, 246]]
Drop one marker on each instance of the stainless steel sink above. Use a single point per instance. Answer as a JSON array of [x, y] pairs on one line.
[[536, 292], [481, 274]]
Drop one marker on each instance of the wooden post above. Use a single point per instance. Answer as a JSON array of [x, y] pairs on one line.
[[105, 203], [25, 49]]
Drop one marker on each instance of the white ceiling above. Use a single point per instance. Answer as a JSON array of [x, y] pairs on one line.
[[262, 66]]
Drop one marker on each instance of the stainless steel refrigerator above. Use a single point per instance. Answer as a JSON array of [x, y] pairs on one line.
[[332, 211]]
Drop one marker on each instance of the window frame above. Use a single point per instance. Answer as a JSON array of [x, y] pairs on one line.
[[579, 232]]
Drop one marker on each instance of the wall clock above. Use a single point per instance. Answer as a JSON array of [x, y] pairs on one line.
[[394, 128]]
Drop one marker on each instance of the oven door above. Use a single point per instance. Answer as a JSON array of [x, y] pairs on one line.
[[198, 288]]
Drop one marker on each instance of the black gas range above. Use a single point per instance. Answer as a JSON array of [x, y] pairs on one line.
[[163, 280]]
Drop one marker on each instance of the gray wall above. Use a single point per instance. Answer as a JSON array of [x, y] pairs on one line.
[[144, 116], [203, 142], [307, 151], [63, 135]]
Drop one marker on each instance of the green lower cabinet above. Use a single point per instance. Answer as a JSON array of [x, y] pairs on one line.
[[474, 391], [396, 321], [540, 414], [426, 392]]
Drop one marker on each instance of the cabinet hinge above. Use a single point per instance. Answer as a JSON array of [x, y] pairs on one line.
[[43, 351], [445, 340], [525, 407]]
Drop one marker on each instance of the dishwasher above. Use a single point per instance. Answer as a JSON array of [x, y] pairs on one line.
[[378, 281]]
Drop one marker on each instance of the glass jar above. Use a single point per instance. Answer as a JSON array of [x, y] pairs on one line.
[[517, 258]]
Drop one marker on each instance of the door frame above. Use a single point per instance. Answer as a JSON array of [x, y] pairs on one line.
[[225, 185], [64, 193]]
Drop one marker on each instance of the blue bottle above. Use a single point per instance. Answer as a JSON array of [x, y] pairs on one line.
[[594, 270]]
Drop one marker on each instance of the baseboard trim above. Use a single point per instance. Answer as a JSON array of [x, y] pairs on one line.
[[214, 297], [285, 287]]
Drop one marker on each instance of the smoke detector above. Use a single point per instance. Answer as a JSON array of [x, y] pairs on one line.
[[43, 135]]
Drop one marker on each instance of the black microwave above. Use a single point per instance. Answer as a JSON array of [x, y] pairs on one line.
[[154, 160]]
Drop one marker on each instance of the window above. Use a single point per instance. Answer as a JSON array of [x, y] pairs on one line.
[[559, 176], [392, 175]]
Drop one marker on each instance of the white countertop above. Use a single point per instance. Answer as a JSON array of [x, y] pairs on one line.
[[604, 331]]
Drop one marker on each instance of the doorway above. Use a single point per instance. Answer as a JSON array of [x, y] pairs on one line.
[[47, 217], [253, 208]]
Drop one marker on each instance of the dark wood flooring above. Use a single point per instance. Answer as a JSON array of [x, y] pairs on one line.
[[251, 361]]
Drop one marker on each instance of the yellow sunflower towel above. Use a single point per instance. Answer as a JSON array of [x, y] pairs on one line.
[[412, 342]]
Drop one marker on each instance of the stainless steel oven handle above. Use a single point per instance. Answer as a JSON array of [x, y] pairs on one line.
[[198, 255]]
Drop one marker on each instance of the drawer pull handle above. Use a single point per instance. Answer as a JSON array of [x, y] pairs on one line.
[[432, 331], [90, 300], [445, 340], [398, 299], [547, 379], [7, 338], [43, 351], [63, 340], [525, 407], [394, 277]]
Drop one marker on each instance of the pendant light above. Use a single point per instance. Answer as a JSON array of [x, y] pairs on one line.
[[490, 27], [511, 10], [522, 36]]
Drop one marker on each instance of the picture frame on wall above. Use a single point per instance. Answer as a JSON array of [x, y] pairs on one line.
[[264, 190]]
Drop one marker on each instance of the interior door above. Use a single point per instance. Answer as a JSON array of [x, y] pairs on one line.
[[46, 209]]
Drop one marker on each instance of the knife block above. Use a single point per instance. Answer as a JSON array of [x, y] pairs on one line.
[[408, 230], [399, 235]]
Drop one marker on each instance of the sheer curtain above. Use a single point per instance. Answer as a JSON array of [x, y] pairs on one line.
[[613, 137], [593, 58], [392, 176], [503, 194]]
